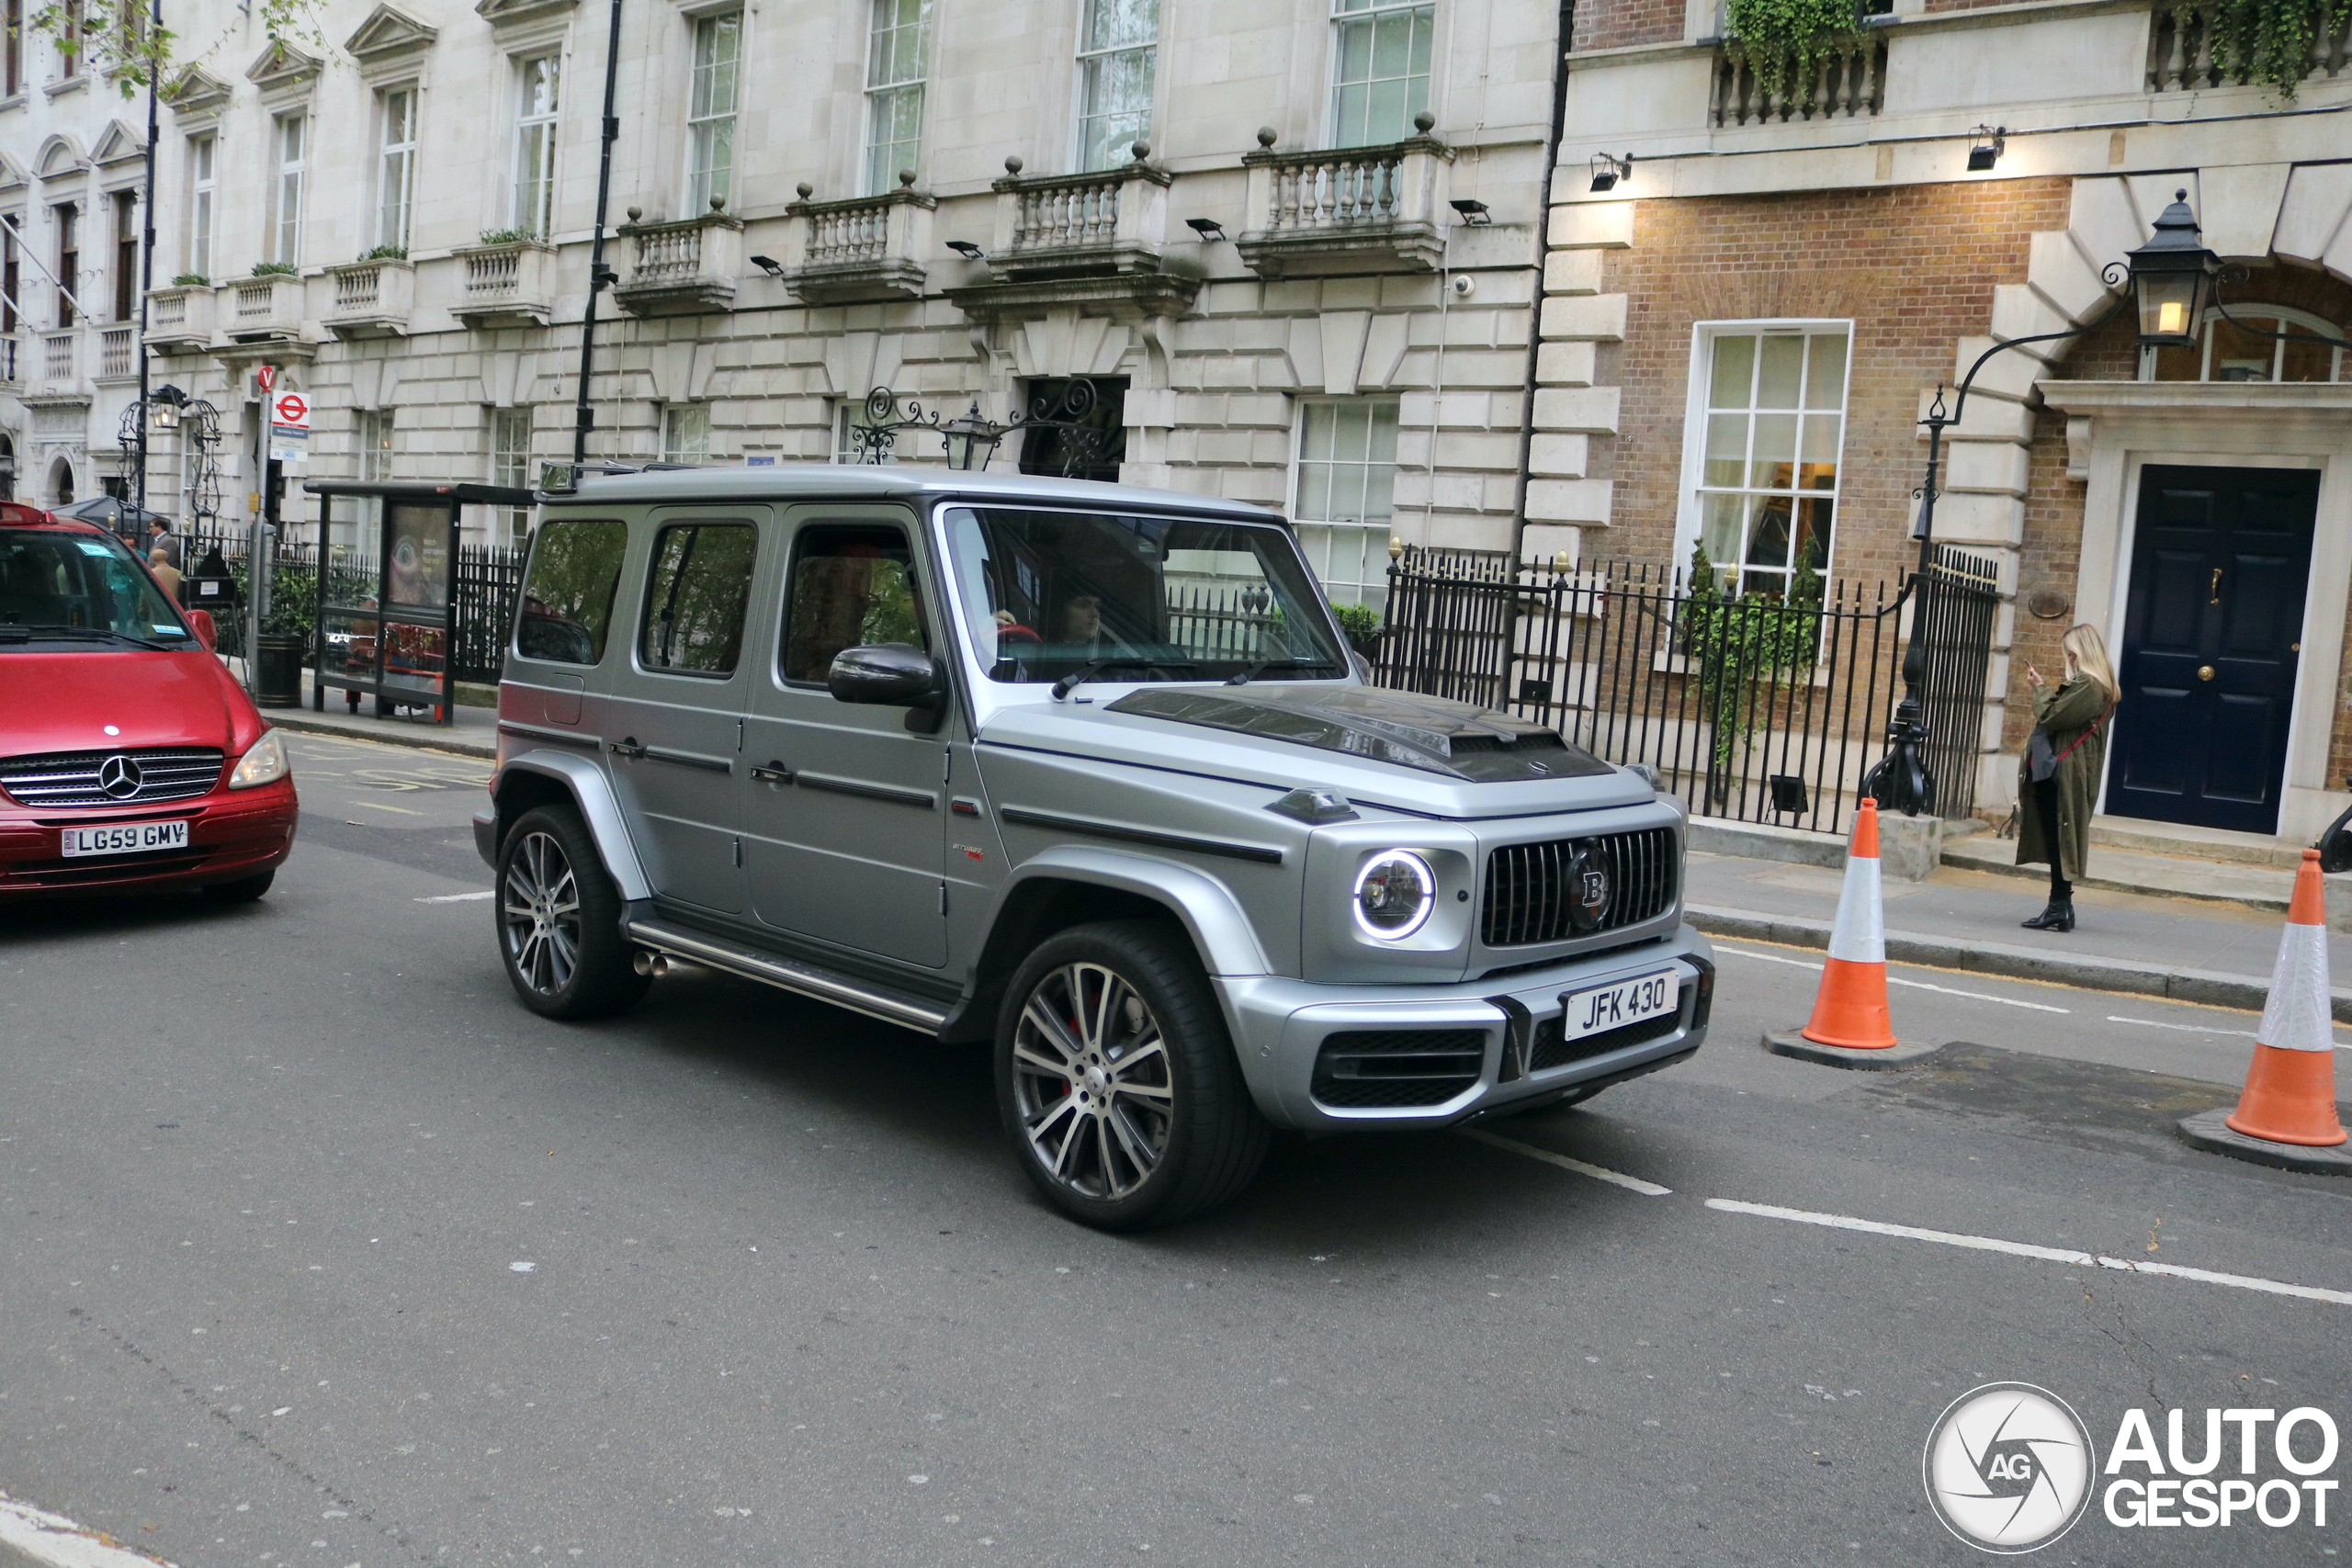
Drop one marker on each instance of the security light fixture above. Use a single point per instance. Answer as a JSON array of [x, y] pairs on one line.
[[1789, 795], [769, 265], [1991, 141], [968, 250], [1607, 169], [1473, 212], [1208, 228]]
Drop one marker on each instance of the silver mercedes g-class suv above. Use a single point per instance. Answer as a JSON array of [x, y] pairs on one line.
[[1084, 770]]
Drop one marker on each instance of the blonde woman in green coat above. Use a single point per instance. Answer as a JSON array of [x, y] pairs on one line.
[[2058, 781]]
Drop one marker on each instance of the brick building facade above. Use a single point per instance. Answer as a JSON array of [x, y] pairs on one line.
[[1843, 229]]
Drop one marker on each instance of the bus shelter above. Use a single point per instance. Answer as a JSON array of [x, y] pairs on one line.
[[385, 621]]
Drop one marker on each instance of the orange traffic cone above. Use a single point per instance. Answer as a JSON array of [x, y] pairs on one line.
[[1850, 1009], [2289, 1096]]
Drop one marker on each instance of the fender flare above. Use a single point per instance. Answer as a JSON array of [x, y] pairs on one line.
[[1220, 928], [592, 794]]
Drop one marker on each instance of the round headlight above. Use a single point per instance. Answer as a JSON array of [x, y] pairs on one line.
[[1395, 893]]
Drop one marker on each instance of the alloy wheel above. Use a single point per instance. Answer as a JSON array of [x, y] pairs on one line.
[[1091, 1081], [539, 911]]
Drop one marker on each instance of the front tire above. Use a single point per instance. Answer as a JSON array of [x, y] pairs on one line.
[[560, 920], [1117, 1081]]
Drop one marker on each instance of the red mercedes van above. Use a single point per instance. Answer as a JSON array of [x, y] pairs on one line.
[[129, 761]]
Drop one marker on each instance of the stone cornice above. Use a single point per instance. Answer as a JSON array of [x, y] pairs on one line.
[[2197, 399]]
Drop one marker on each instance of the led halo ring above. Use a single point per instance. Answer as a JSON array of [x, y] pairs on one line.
[[1389, 879]]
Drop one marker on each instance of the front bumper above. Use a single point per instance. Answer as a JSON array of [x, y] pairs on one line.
[[231, 836], [1279, 1026]]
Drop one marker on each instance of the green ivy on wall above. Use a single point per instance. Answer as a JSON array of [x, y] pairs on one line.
[[2269, 41], [1784, 41]]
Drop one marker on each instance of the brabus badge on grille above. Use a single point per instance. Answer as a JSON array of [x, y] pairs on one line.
[[118, 777], [1588, 888]]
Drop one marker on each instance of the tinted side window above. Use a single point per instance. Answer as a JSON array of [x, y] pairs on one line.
[[568, 597], [852, 584], [693, 608]]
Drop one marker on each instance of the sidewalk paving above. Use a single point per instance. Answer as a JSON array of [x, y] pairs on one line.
[[475, 733], [2190, 951]]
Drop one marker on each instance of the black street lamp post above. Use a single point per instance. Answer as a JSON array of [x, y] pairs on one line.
[[2171, 278]]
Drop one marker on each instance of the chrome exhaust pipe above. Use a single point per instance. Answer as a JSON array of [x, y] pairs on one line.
[[650, 963]]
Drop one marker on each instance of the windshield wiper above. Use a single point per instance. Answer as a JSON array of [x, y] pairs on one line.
[[1085, 673], [81, 634], [1242, 677]]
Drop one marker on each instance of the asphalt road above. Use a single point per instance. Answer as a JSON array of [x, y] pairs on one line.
[[317, 1249]]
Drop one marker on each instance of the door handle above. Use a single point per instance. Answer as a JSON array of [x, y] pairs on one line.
[[625, 747], [775, 772], [2204, 672], [2213, 592]]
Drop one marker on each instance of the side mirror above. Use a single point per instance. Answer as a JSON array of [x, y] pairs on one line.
[[885, 674], [200, 622]]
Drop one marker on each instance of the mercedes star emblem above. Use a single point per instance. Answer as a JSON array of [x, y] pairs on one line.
[[118, 777]]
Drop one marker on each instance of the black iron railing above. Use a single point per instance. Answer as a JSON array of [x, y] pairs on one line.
[[1761, 709]]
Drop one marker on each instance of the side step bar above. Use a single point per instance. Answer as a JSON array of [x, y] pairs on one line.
[[858, 996]]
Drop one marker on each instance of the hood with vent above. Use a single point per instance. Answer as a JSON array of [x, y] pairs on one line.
[[1434, 735]]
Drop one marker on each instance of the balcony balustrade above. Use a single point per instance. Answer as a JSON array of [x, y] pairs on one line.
[[117, 353], [684, 267], [59, 353], [259, 309], [10, 367], [371, 299], [863, 248], [1094, 240], [1349, 209], [1844, 83], [2180, 47], [507, 285], [179, 320]]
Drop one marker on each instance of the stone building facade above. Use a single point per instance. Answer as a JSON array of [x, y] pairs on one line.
[[1963, 175], [1295, 249]]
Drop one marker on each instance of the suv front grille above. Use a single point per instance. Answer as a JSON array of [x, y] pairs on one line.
[[82, 778], [1363, 1070], [1528, 891]]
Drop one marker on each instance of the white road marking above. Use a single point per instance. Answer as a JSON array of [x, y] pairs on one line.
[[1598, 1173], [52, 1540], [2027, 1249], [1899, 980], [2200, 1029], [381, 806], [459, 897]]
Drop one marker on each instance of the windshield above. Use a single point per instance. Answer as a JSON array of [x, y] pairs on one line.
[[1050, 594], [85, 586]]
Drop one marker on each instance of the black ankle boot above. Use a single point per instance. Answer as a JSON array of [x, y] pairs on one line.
[[2058, 917]]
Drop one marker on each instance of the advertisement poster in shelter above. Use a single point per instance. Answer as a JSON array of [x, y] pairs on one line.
[[417, 546]]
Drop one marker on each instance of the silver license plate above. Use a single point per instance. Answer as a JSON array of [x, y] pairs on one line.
[[1614, 1007], [130, 838]]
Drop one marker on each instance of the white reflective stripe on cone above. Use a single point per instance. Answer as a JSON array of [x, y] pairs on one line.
[[1860, 935], [2296, 1017]]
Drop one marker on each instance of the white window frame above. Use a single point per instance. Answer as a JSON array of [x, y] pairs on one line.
[[691, 420], [1689, 512], [289, 128], [2285, 317], [531, 194], [511, 464], [1347, 15], [397, 110], [372, 441], [879, 171], [711, 124], [203, 189], [1109, 147], [1327, 540]]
